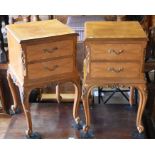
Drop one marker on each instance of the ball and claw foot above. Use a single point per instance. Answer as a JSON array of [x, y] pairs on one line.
[[139, 133], [86, 133], [78, 124], [140, 129], [32, 135], [13, 111]]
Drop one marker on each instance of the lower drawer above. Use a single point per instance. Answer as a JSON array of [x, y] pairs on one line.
[[50, 68], [112, 70]]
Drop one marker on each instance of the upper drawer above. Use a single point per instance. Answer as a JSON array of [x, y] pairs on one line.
[[49, 50], [116, 51], [50, 68]]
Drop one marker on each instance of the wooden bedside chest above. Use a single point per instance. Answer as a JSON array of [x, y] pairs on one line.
[[115, 58], [41, 53]]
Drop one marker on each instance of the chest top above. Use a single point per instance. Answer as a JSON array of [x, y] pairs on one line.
[[39, 29], [114, 30]]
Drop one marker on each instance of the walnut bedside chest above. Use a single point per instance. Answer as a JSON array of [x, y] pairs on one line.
[[41, 53], [115, 58]]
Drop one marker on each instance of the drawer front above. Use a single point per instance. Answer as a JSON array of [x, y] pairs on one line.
[[112, 70], [116, 52], [49, 50], [50, 68]]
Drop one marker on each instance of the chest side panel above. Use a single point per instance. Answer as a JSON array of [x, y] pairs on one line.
[[16, 57]]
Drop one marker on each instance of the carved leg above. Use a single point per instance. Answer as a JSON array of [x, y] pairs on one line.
[[87, 111], [78, 123], [131, 99], [142, 103], [58, 96], [85, 97], [14, 108], [26, 106]]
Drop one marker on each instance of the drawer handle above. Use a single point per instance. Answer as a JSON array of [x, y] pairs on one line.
[[51, 69], [118, 70], [117, 52], [50, 50]]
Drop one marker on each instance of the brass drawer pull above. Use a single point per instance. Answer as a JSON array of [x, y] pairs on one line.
[[116, 52], [51, 69], [118, 70], [50, 50]]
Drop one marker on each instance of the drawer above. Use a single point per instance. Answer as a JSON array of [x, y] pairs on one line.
[[116, 51], [49, 50], [50, 68], [111, 70]]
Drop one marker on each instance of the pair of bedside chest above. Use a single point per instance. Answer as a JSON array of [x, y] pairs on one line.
[[44, 52]]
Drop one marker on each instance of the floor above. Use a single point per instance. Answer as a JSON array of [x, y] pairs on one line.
[[55, 121], [4, 124]]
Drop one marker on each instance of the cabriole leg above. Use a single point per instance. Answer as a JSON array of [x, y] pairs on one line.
[[58, 96], [131, 98], [85, 133], [142, 103], [78, 124], [26, 106], [14, 108]]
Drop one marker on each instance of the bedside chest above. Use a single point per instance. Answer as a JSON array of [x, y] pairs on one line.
[[41, 53], [115, 58]]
